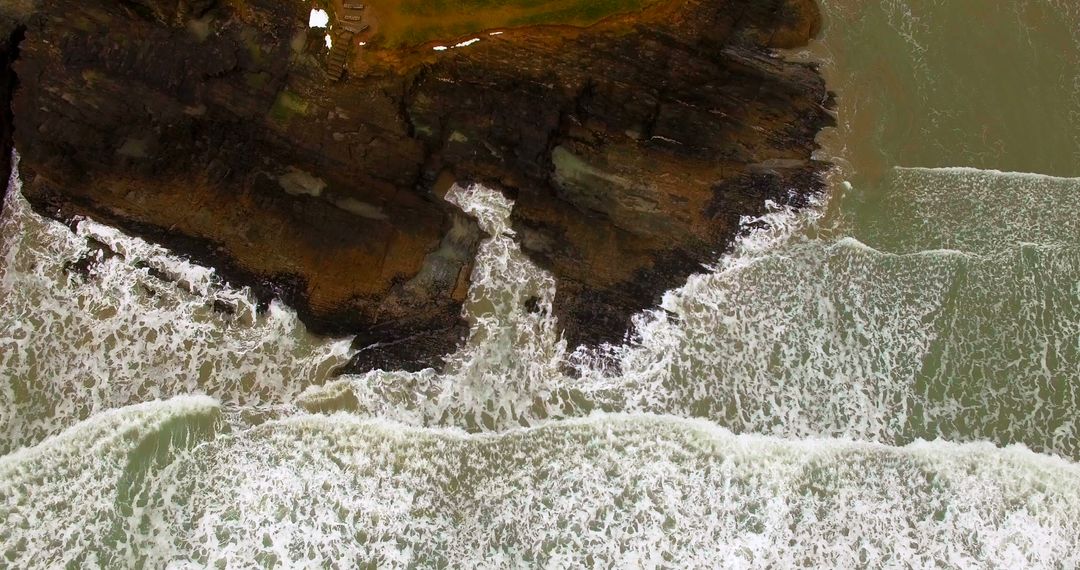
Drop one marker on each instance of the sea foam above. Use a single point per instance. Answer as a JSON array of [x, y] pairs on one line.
[[138, 326]]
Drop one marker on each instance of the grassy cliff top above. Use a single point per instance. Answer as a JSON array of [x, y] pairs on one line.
[[404, 23]]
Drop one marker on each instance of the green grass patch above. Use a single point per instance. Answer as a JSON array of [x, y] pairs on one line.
[[288, 105]]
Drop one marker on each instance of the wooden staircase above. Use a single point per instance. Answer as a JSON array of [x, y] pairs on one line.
[[351, 23], [339, 55]]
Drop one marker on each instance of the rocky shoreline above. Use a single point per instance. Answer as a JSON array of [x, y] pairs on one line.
[[632, 149]]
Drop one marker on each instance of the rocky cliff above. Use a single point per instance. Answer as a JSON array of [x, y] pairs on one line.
[[632, 148]]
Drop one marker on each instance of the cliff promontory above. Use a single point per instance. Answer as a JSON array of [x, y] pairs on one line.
[[231, 132]]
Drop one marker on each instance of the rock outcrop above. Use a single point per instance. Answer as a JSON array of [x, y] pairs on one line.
[[632, 148]]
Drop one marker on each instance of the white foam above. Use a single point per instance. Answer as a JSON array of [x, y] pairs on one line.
[[508, 373], [967, 170], [71, 347], [63, 501], [978, 211], [608, 491], [957, 317], [837, 339], [790, 335]]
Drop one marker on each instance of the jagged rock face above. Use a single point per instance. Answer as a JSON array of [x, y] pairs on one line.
[[12, 33], [632, 149], [633, 156]]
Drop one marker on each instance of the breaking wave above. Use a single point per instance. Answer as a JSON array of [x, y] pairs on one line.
[[608, 490], [134, 324]]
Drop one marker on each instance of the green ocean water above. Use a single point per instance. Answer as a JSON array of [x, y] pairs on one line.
[[889, 379]]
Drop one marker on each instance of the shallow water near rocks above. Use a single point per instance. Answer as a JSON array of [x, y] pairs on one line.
[[890, 378]]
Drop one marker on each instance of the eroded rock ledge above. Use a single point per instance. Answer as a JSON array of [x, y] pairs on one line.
[[632, 148]]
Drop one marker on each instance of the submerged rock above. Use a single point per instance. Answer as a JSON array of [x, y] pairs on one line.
[[631, 147]]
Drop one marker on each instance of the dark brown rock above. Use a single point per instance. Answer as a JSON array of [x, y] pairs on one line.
[[12, 33], [632, 149], [632, 157]]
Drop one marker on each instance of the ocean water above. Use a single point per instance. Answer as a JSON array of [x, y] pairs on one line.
[[890, 378]]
